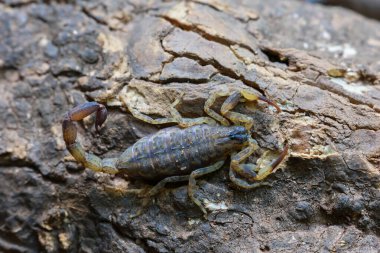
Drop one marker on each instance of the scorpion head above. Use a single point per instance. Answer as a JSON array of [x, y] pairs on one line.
[[238, 134]]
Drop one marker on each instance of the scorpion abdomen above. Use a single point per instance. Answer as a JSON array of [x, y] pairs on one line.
[[176, 151]]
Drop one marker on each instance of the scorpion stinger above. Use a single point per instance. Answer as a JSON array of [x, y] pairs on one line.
[[69, 130]]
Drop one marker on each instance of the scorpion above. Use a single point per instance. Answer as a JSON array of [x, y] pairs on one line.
[[192, 149]]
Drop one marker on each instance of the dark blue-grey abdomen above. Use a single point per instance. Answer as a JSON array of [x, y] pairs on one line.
[[175, 151]]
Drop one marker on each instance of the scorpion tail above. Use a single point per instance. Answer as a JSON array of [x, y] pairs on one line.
[[69, 131]]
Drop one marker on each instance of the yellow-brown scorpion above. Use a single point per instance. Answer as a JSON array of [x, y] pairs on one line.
[[198, 147]]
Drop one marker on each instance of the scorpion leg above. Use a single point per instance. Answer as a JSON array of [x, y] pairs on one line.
[[160, 185], [154, 191], [191, 187], [253, 172], [235, 117], [176, 116], [75, 148], [234, 97], [209, 103], [188, 122], [138, 115], [192, 183], [244, 184], [148, 119]]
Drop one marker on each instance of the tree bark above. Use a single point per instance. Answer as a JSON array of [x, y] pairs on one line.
[[320, 65]]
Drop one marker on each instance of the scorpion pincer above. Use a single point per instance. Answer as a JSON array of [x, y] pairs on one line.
[[198, 147]]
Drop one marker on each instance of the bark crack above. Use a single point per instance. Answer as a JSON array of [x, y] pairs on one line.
[[221, 69], [340, 93], [204, 34], [215, 7], [93, 17]]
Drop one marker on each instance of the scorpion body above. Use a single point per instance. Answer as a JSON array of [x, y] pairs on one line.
[[196, 148], [174, 151]]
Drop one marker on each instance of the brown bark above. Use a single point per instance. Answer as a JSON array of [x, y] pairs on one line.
[[320, 65]]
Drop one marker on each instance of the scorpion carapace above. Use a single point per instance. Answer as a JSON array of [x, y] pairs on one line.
[[198, 147]]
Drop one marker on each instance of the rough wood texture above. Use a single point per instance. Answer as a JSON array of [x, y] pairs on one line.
[[56, 55]]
